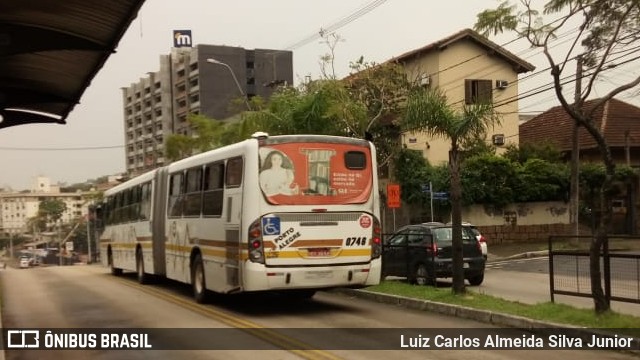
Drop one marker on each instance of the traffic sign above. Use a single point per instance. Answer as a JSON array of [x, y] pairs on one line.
[[393, 196], [426, 188], [440, 196]]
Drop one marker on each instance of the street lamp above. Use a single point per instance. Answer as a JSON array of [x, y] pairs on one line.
[[218, 62]]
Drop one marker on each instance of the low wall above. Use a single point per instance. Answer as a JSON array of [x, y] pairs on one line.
[[533, 213], [505, 234]]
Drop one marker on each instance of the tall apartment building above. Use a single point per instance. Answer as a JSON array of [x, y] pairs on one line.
[[157, 105]]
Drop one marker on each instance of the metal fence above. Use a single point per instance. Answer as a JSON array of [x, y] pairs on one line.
[[569, 267]]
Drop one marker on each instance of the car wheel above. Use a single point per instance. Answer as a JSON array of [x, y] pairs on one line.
[[198, 281], [422, 276], [476, 280], [142, 277]]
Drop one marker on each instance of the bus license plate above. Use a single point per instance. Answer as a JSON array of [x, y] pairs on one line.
[[319, 252], [316, 275]]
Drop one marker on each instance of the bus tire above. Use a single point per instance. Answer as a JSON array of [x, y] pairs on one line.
[[142, 277], [303, 294], [198, 281], [114, 270]]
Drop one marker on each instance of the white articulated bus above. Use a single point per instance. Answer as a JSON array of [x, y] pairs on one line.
[[295, 213]]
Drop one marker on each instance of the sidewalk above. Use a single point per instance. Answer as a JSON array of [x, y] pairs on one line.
[[507, 251]]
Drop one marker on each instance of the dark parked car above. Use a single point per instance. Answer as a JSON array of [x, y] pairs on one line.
[[423, 252]]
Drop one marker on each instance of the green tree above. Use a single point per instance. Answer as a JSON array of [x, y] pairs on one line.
[[488, 179], [606, 28], [51, 210], [542, 180], [380, 91], [412, 171], [427, 110], [523, 152], [207, 136], [367, 104]]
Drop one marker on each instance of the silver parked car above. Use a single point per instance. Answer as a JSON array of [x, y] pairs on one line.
[[481, 239]]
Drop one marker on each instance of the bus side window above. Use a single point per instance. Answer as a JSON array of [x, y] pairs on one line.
[[176, 195], [193, 193], [145, 202], [213, 189], [234, 172]]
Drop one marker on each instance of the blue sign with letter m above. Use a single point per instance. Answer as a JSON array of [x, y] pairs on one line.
[[182, 38]]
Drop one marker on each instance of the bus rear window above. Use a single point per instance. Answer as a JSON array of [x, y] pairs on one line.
[[355, 160]]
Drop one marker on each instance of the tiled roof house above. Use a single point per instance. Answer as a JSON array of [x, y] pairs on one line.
[[618, 121]]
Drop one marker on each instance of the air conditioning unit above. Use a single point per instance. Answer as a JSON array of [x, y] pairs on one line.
[[502, 84], [425, 80], [498, 139]]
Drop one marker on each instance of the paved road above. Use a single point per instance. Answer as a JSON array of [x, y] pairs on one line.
[[87, 297]]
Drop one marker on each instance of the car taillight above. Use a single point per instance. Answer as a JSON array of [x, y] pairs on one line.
[[376, 239], [256, 248], [433, 249], [482, 239]]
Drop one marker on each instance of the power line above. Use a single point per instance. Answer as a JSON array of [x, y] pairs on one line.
[[62, 149], [337, 25]]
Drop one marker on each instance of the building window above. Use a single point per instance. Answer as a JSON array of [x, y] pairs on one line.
[[478, 92]]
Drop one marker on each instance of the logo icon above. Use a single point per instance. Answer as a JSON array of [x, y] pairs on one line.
[[270, 226], [365, 221], [182, 38], [23, 339]]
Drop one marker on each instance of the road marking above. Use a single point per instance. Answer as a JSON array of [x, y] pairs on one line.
[[270, 336]]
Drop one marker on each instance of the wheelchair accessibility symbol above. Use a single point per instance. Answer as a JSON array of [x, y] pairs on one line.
[[270, 226]]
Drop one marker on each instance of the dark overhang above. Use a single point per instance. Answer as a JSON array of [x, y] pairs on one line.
[[50, 51]]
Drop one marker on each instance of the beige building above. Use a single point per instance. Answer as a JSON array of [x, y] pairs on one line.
[[468, 68], [17, 207]]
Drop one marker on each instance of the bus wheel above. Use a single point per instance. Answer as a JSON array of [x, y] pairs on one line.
[[114, 270], [142, 277], [197, 280]]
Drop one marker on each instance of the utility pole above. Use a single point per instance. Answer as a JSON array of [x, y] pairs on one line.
[[575, 153], [89, 234]]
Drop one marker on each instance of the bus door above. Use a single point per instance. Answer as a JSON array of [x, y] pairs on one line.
[[232, 220]]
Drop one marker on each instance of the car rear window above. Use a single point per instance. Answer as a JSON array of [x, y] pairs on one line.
[[445, 234]]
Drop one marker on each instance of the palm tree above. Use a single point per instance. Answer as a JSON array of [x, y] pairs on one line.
[[427, 111]]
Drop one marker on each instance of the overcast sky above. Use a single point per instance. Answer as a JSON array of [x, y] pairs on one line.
[[392, 27]]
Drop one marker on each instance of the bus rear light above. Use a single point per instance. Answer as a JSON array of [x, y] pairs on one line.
[[254, 233], [376, 242], [256, 249]]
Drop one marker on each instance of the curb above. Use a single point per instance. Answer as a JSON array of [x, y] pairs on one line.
[[525, 255], [485, 316]]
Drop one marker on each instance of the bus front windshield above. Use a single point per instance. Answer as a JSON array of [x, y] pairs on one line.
[[315, 173]]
